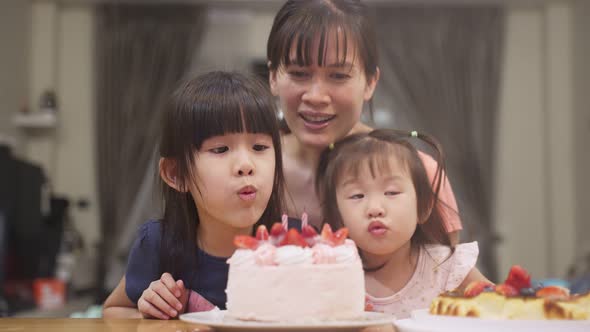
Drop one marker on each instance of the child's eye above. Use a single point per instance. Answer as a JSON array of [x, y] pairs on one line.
[[356, 196], [260, 147], [219, 150], [339, 76], [391, 193]]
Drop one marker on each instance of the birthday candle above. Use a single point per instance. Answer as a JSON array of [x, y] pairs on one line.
[[285, 221], [303, 220]]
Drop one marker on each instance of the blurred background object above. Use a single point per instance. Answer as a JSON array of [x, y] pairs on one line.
[[503, 84]]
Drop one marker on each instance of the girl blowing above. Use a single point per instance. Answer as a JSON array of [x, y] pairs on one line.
[[376, 185], [221, 171]]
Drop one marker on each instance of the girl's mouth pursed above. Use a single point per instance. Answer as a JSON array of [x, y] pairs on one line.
[[247, 193], [377, 228]]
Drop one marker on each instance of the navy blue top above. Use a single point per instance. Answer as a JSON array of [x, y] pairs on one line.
[[208, 277]]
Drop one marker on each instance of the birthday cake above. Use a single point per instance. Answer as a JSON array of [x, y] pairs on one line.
[[513, 299], [286, 275]]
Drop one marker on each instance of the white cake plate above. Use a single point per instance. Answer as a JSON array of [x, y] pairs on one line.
[[218, 320], [422, 321]]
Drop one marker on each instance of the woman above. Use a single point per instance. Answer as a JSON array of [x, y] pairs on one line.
[[322, 57]]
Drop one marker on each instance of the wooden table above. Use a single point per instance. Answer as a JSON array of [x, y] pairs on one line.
[[114, 325]]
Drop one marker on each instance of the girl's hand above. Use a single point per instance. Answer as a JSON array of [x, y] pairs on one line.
[[164, 298]]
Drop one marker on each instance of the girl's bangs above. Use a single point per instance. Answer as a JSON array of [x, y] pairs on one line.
[[232, 111], [376, 156]]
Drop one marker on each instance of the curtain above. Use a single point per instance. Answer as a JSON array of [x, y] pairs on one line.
[[441, 67], [142, 51]]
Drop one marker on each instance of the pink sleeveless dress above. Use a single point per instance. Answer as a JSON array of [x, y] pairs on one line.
[[435, 273]]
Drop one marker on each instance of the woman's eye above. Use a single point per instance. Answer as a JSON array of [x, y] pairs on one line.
[[219, 150], [260, 147], [356, 196], [298, 74], [391, 193]]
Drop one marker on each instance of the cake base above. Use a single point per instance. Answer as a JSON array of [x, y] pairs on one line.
[[285, 293]]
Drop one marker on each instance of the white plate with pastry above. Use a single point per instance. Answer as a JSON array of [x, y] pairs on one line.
[[422, 321]]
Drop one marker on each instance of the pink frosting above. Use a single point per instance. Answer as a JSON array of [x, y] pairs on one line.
[[323, 254], [320, 253], [265, 254]]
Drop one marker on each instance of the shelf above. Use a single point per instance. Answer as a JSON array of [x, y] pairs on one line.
[[38, 120]]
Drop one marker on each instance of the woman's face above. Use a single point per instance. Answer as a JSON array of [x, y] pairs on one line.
[[321, 104]]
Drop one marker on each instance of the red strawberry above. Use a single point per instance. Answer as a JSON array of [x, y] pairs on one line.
[[518, 278], [340, 236], [294, 238], [368, 304], [262, 233], [326, 232], [277, 229], [331, 238], [553, 293], [245, 242], [506, 290], [308, 231], [476, 287], [309, 234]]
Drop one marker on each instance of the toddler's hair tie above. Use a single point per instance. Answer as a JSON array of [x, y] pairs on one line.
[[414, 133], [331, 146]]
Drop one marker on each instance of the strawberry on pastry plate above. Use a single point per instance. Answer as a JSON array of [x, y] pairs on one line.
[[515, 298]]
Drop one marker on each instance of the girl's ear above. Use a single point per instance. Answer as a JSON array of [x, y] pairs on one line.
[[423, 217], [371, 85], [169, 174]]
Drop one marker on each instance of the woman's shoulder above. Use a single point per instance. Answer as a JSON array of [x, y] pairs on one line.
[[427, 160], [360, 127]]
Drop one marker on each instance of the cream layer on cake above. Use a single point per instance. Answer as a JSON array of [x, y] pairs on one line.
[[287, 293]]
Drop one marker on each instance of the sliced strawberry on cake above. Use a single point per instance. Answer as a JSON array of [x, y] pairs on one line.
[[294, 238], [333, 238], [262, 233], [245, 242]]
